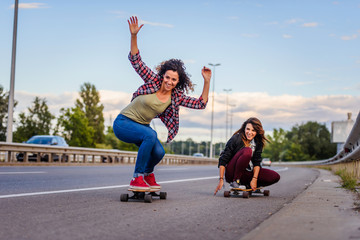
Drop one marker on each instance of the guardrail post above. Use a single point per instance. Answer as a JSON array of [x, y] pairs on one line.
[[26, 157], [9, 156]]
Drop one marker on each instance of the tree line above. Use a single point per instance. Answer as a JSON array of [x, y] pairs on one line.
[[83, 126]]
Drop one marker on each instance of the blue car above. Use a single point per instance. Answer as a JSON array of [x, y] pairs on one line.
[[44, 140], [48, 140]]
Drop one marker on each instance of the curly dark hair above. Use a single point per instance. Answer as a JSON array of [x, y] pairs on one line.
[[260, 133], [178, 66]]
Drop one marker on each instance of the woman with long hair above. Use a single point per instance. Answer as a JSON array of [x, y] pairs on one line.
[[160, 96], [240, 162]]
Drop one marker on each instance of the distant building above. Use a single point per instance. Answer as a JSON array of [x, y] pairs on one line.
[[340, 131]]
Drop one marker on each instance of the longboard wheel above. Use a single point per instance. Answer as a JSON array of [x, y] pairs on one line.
[[147, 198], [124, 197], [163, 195], [266, 192], [226, 193], [246, 194]]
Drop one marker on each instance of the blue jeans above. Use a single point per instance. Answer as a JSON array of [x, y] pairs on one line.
[[150, 150]]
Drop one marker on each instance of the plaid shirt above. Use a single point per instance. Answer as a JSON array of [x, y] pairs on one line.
[[170, 117]]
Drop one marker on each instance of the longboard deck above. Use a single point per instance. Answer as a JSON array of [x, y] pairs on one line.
[[246, 193], [245, 190], [142, 190]]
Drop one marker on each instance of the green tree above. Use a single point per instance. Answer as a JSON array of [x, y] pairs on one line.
[[73, 125], [89, 103], [314, 139], [274, 149], [294, 152], [36, 122], [4, 99]]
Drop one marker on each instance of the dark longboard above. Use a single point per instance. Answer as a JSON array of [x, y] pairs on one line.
[[143, 195], [246, 193]]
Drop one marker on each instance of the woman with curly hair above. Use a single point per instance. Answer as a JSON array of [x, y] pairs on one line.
[[240, 161], [160, 96]]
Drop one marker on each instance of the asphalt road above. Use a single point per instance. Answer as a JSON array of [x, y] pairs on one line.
[[83, 202]]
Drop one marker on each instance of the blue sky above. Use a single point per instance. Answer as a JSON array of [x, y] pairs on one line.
[[286, 62]]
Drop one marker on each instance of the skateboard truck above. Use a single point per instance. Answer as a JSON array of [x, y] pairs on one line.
[[144, 195]]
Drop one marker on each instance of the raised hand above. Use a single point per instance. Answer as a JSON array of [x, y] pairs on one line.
[[206, 73], [134, 25]]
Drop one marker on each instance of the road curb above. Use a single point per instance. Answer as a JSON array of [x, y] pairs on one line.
[[323, 211]]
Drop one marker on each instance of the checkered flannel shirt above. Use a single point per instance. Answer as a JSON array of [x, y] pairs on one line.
[[170, 117]]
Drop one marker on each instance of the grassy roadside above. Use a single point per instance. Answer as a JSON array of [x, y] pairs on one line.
[[348, 181]]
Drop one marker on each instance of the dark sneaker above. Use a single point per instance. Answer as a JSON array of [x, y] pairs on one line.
[[138, 183], [150, 180], [237, 184]]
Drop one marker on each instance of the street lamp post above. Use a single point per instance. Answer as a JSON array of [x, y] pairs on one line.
[[231, 116], [227, 112], [9, 133], [212, 110]]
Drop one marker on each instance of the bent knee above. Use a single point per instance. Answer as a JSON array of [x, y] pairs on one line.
[[276, 177]]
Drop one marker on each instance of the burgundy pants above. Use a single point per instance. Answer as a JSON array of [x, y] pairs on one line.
[[236, 169]]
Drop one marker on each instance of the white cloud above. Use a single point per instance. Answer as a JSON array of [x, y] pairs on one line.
[[156, 24], [287, 36], [293, 21], [274, 111], [31, 5], [311, 24], [347, 38]]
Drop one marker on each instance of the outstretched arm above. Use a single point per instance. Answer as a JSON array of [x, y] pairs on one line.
[[134, 29], [206, 73], [221, 179]]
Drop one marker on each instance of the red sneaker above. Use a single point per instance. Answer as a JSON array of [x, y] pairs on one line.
[[138, 183], [150, 180]]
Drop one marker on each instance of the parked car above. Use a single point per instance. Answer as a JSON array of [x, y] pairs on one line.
[[44, 140], [266, 162], [198, 155]]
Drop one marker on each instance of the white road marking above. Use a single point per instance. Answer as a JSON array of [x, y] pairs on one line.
[[281, 169], [9, 173], [97, 188]]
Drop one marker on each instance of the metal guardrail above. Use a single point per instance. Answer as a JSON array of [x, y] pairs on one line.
[[351, 150], [9, 155]]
